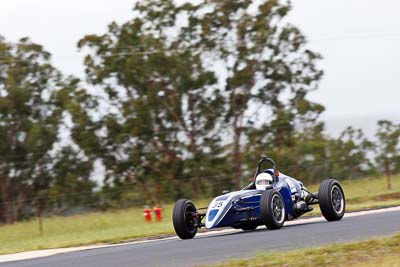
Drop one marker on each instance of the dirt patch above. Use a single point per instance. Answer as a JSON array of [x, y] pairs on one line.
[[383, 197], [390, 196]]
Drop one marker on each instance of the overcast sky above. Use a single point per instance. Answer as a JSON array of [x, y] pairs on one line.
[[359, 40]]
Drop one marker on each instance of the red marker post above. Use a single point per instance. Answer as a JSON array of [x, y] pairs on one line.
[[147, 214], [158, 213]]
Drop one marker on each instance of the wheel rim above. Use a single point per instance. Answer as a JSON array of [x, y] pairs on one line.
[[278, 210], [189, 218], [337, 199]]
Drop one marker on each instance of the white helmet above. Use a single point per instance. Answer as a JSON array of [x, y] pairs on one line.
[[263, 180]]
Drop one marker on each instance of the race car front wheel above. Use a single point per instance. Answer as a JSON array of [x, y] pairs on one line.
[[331, 200], [184, 220], [272, 209]]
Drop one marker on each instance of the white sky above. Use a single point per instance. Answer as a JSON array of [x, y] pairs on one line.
[[359, 40]]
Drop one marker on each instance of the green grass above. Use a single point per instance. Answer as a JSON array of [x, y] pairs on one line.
[[93, 228], [117, 226], [79, 230], [375, 252]]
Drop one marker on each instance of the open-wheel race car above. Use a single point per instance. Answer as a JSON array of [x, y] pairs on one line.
[[270, 199]]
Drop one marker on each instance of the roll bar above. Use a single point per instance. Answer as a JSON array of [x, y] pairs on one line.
[[274, 167], [258, 171]]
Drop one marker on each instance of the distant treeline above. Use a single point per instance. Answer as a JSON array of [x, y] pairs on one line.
[[179, 101]]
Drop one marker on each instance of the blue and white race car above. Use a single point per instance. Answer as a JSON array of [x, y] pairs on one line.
[[270, 199]]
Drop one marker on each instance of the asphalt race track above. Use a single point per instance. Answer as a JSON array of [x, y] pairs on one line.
[[226, 245]]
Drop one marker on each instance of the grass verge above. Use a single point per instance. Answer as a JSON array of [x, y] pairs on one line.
[[374, 252], [123, 225]]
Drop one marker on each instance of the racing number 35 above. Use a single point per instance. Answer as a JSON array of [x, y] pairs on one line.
[[217, 204]]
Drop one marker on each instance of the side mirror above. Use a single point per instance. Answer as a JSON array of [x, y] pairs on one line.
[[225, 192]]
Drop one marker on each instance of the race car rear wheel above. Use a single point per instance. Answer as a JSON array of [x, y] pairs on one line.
[[331, 200], [184, 219], [272, 209]]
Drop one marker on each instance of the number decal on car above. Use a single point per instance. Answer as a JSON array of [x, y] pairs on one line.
[[217, 204]]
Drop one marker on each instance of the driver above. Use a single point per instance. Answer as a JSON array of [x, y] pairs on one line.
[[263, 180]]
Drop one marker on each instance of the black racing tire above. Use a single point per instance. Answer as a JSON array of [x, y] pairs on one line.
[[183, 220], [249, 227], [272, 209], [331, 200]]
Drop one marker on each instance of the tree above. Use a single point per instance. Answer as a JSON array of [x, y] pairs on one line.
[[66, 183], [28, 121], [387, 149], [254, 53], [246, 45], [165, 129], [37, 170], [348, 155], [294, 136]]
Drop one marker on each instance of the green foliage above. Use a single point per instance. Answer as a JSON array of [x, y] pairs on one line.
[[264, 58], [167, 127], [176, 105], [203, 90], [27, 120], [67, 183], [348, 155], [388, 149], [30, 118]]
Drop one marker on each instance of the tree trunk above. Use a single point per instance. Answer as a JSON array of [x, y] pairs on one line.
[[197, 178], [39, 216], [150, 196], [389, 181], [237, 156], [193, 139], [387, 173], [5, 205], [3, 217], [3, 200]]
